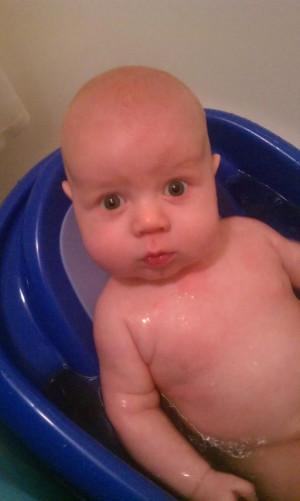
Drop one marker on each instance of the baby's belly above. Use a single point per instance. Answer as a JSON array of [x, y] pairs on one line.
[[209, 444], [238, 404], [233, 431]]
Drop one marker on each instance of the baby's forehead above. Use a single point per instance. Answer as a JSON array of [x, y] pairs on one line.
[[129, 99]]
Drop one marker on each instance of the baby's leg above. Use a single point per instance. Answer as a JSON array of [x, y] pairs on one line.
[[274, 470]]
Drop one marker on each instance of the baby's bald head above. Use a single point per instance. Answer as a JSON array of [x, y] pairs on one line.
[[129, 89], [126, 96]]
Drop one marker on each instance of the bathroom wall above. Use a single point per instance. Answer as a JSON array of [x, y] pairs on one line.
[[240, 56]]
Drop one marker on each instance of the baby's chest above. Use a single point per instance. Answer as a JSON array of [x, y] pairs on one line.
[[179, 336], [200, 334]]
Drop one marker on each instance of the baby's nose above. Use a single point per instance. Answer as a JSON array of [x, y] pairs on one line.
[[150, 219]]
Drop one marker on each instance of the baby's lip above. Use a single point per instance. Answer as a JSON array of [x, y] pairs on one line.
[[156, 259]]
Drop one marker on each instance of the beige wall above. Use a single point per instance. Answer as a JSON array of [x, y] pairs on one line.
[[241, 56]]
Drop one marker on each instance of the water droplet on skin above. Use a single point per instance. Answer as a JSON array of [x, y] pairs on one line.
[[184, 474], [185, 295]]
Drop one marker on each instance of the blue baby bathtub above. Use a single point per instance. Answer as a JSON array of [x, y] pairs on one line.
[[49, 384]]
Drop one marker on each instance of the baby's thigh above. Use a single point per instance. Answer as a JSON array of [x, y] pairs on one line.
[[273, 469]]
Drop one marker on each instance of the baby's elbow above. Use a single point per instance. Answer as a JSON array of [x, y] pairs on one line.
[[128, 407]]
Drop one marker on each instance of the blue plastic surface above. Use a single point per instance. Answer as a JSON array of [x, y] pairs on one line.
[[23, 477], [47, 357]]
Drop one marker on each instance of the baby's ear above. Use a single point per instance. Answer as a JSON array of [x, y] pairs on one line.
[[216, 158], [67, 189]]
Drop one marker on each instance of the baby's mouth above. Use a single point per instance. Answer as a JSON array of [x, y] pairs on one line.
[[157, 259]]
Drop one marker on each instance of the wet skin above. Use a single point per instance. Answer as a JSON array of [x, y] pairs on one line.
[[237, 374]]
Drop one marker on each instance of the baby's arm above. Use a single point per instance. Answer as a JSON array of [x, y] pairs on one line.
[[289, 251], [132, 404]]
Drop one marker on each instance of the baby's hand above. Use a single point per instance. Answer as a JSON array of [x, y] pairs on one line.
[[217, 486]]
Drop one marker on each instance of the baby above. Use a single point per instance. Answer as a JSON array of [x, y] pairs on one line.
[[198, 309]]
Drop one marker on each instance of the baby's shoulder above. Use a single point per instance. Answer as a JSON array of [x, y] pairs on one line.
[[117, 298], [247, 227], [255, 236], [112, 294], [110, 312], [242, 223]]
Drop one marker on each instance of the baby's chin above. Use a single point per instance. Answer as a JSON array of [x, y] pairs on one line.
[[161, 274]]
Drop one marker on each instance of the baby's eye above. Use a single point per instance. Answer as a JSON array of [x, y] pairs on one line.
[[176, 188], [111, 202]]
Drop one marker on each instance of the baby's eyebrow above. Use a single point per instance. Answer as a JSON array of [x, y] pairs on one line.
[[109, 179], [112, 185], [186, 166]]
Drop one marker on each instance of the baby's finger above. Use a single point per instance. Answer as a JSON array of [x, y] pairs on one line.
[[248, 495], [245, 491]]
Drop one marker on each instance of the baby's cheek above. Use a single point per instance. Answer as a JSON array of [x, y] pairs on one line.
[[110, 257], [98, 247], [104, 258]]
